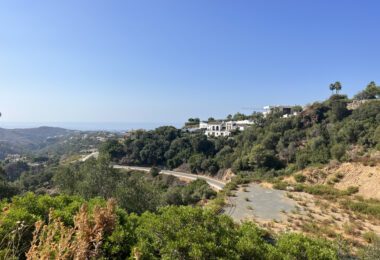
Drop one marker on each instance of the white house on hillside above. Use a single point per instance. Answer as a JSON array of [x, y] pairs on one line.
[[286, 110], [222, 128], [217, 129]]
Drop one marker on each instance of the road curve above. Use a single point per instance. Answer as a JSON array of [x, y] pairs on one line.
[[214, 183], [86, 157]]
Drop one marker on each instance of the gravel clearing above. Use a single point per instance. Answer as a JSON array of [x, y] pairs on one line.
[[258, 202]]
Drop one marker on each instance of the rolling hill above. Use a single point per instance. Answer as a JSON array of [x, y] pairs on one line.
[[31, 135]]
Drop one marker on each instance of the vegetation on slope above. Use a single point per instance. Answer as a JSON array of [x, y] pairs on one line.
[[61, 226], [146, 218], [273, 146]]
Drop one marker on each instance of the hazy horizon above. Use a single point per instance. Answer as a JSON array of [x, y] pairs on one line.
[[166, 61], [91, 126]]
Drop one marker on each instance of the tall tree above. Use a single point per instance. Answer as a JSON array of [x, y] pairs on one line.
[[3, 175], [332, 87], [337, 86], [371, 92]]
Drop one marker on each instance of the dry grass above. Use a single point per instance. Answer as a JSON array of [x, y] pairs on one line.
[[343, 175], [83, 241], [327, 219], [12, 240]]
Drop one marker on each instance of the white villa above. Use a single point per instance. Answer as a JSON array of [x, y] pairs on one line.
[[221, 128], [224, 128], [286, 110]]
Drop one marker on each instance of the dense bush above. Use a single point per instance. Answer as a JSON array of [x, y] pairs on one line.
[[338, 151], [112, 148], [134, 191], [6, 190], [299, 178], [365, 206], [371, 92], [154, 171], [171, 233], [14, 170]]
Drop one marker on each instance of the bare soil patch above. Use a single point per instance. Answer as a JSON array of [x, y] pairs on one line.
[[366, 177]]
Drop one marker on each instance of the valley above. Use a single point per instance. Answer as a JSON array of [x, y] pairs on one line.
[[310, 176]]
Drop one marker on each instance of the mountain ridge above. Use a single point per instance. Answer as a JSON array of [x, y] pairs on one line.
[[23, 136]]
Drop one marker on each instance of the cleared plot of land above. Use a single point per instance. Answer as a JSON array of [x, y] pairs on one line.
[[365, 177], [255, 201]]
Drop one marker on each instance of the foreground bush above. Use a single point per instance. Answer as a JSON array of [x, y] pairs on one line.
[[61, 228], [83, 241]]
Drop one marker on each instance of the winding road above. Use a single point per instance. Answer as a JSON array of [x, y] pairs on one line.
[[260, 202], [263, 203], [86, 157], [212, 182]]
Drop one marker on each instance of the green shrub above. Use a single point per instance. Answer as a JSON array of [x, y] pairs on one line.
[[231, 186], [320, 189], [371, 252], [302, 160], [299, 187], [360, 153], [365, 207], [154, 171], [299, 178], [371, 163], [297, 246], [349, 229], [280, 185], [370, 237], [352, 189], [338, 151]]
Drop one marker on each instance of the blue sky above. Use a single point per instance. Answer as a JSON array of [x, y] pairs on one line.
[[166, 61]]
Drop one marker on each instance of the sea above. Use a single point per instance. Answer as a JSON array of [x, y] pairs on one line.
[[91, 126]]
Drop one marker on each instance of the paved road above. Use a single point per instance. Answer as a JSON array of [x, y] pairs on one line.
[[214, 183], [94, 154], [262, 203]]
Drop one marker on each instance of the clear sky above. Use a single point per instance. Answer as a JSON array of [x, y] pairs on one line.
[[166, 61]]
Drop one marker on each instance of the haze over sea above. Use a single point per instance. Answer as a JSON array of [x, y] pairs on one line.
[[91, 126]]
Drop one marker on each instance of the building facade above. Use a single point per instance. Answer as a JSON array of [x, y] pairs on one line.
[[222, 128]]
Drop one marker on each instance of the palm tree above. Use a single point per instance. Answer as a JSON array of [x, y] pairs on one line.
[[337, 86], [332, 87]]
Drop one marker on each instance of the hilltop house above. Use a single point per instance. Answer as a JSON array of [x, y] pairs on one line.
[[285, 110], [221, 128]]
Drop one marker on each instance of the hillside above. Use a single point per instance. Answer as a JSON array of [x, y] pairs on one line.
[[50, 141], [324, 158], [31, 135], [273, 146], [341, 176]]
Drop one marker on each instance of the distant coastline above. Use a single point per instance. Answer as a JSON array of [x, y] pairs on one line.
[[91, 126]]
